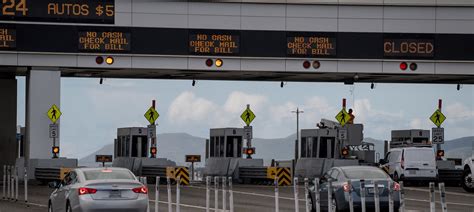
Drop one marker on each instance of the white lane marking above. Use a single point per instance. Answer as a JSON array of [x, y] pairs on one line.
[[188, 206], [36, 204], [254, 194], [449, 203], [447, 192]]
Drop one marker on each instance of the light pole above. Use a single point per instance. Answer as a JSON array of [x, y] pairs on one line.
[[297, 111]]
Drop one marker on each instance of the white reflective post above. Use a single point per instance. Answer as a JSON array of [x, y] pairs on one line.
[[402, 197], [351, 201], [376, 196], [295, 189], [26, 186], [144, 181], [362, 194], [16, 184], [170, 206], [4, 182], [224, 194], [329, 194], [216, 193], [390, 196], [277, 198], [208, 193], [432, 197], [231, 196], [306, 193], [157, 193], [316, 195], [178, 206], [12, 186], [442, 193]]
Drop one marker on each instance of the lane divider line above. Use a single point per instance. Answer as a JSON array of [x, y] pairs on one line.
[[447, 192]]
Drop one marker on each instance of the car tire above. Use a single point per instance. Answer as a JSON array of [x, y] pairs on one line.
[[68, 207], [395, 177], [465, 177]]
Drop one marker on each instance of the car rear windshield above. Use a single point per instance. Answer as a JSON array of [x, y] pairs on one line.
[[108, 174], [365, 174], [419, 155]]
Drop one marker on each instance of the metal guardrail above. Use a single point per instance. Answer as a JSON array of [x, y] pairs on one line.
[[253, 172], [153, 171], [450, 176]]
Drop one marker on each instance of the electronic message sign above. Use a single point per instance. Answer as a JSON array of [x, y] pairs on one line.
[[104, 41], [7, 38], [214, 43], [409, 48], [311, 46], [77, 11]]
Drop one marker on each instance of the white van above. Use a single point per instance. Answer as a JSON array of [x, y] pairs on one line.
[[411, 164]]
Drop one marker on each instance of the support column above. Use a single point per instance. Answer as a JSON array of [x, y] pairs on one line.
[[8, 110], [43, 89]]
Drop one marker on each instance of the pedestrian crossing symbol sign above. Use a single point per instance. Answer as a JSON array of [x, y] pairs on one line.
[[54, 113], [438, 118], [248, 116], [342, 117], [151, 115]]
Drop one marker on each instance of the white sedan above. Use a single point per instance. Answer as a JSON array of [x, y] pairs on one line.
[[99, 189]]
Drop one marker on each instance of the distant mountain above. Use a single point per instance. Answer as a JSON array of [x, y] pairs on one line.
[[175, 146]]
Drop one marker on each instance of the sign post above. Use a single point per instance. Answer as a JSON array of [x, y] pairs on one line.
[[103, 159], [54, 114], [193, 159], [248, 116], [151, 116], [438, 133]]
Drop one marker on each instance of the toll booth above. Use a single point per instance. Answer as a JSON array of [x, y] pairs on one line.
[[131, 142], [411, 137], [225, 143], [319, 143]]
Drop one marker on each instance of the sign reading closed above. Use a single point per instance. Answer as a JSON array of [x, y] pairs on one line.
[[415, 48]]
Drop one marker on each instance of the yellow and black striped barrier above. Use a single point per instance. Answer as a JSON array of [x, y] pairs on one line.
[[283, 174], [178, 172]]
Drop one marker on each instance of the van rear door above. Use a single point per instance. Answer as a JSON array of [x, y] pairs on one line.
[[420, 162]]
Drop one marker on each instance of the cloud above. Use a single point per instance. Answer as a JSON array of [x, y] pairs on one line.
[[237, 102], [458, 111], [187, 107]]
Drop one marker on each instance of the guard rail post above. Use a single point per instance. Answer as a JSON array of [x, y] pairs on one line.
[[306, 184], [329, 195], [362, 194], [224, 194], [231, 196], [157, 193], [216, 193], [442, 193], [432, 197], [402, 197], [351, 201], [295, 189], [208, 179], [178, 193], [317, 198], [376, 196], [277, 198], [170, 206]]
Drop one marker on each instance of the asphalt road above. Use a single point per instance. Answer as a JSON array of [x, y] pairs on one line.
[[248, 198]]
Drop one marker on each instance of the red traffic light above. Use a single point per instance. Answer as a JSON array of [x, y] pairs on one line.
[[403, 66], [249, 151], [345, 151], [153, 150], [99, 60], [440, 153], [306, 64], [209, 62]]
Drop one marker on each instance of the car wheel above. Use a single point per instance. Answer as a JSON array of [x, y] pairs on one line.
[[395, 177], [467, 181], [50, 207], [68, 207]]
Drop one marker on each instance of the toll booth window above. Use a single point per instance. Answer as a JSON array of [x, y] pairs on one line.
[[420, 140], [127, 146], [144, 146], [221, 145], [332, 143], [323, 148], [303, 147], [315, 147], [230, 147], [211, 147], [135, 141], [239, 147]]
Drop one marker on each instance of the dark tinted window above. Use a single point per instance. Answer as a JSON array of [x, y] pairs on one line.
[[109, 174], [362, 173]]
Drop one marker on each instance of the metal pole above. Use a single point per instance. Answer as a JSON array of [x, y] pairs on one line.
[[192, 171], [277, 201], [25, 180], [4, 182], [231, 196], [170, 206], [306, 184], [402, 197], [157, 193], [178, 183], [329, 195], [295, 189], [208, 179], [16, 184], [432, 197], [442, 193], [216, 193], [316, 195], [8, 182], [351, 201], [390, 196], [376, 196], [224, 194], [362, 194]]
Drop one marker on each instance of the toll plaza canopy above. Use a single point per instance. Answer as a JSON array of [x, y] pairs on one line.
[[419, 41]]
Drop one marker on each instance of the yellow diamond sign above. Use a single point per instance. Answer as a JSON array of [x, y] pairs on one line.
[[248, 116], [53, 114], [438, 118], [151, 115], [342, 117]]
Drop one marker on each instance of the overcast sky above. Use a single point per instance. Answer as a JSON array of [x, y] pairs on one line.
[[92, 112]]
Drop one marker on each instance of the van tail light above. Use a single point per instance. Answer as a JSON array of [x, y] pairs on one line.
[[396, 186], [346, 187], [83, 191], [140, 190]]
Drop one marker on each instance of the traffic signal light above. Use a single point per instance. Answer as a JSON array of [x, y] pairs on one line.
[[249, 151], [440, 153], [55, 150], [219, 63], [153, 151], [404, 66], [109, 60], [345, 151]]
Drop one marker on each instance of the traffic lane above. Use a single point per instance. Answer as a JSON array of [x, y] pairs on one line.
[[457, 200], [8, 206]]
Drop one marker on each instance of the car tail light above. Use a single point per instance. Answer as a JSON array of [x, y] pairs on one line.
[[396, 186], [141, 190], [346, 187], [83, 191]]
